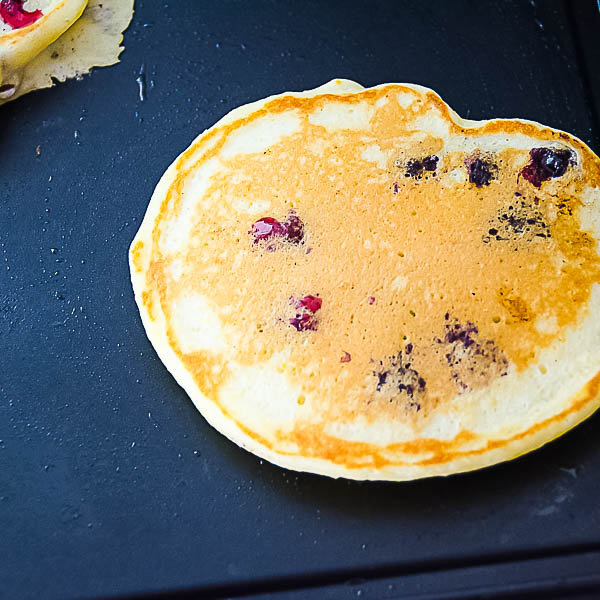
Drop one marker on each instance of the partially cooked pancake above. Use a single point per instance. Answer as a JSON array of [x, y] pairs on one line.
[[43, 41], [359, 283]]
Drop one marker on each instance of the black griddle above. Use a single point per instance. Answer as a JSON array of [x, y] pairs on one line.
[[111, 483]]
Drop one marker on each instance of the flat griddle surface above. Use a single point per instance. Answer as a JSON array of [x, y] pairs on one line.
[[111, 483]]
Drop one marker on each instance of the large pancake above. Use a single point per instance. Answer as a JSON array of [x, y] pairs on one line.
[[57, 40], [359, 283]]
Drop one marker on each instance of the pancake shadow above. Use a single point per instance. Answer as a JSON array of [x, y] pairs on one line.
[[567, 461]]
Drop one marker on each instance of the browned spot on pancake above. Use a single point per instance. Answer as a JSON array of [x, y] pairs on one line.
[[207, 370], [149, 303], [515, 305], [136, 252], [419, 251]]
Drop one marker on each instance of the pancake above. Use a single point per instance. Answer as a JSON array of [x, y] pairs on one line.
[[43, 41], [359, 283]]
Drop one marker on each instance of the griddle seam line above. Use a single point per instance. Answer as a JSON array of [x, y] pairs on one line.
[[365, 575]]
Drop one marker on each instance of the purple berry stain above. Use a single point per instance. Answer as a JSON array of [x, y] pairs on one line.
[[545, 164], [397, 380], [305, 313], [473, 362]]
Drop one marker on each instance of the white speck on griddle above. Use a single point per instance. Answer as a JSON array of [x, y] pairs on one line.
[[141, 81]]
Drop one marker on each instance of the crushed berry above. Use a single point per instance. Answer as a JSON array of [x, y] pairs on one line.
[[481, 172], [473, 362], [430, 163], [371, 299], [521, 221], [311, 303], [346, 358], [294, 229], [305, 316], [269, 228], [395, 378], [546, 163], [396, 188], [416, 167], [13, 14]]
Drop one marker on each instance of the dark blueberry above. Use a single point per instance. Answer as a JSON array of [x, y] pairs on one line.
[[381, 379], [493, 231], [430, 163], [481, 172], [415, 166], [408, 349], [545, 164]]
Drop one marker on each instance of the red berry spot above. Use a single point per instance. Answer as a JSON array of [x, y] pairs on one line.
[[545, 163], [371, 299], [346, 358], [267, 228], [311, 303], [13, 14], [305, 316]]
